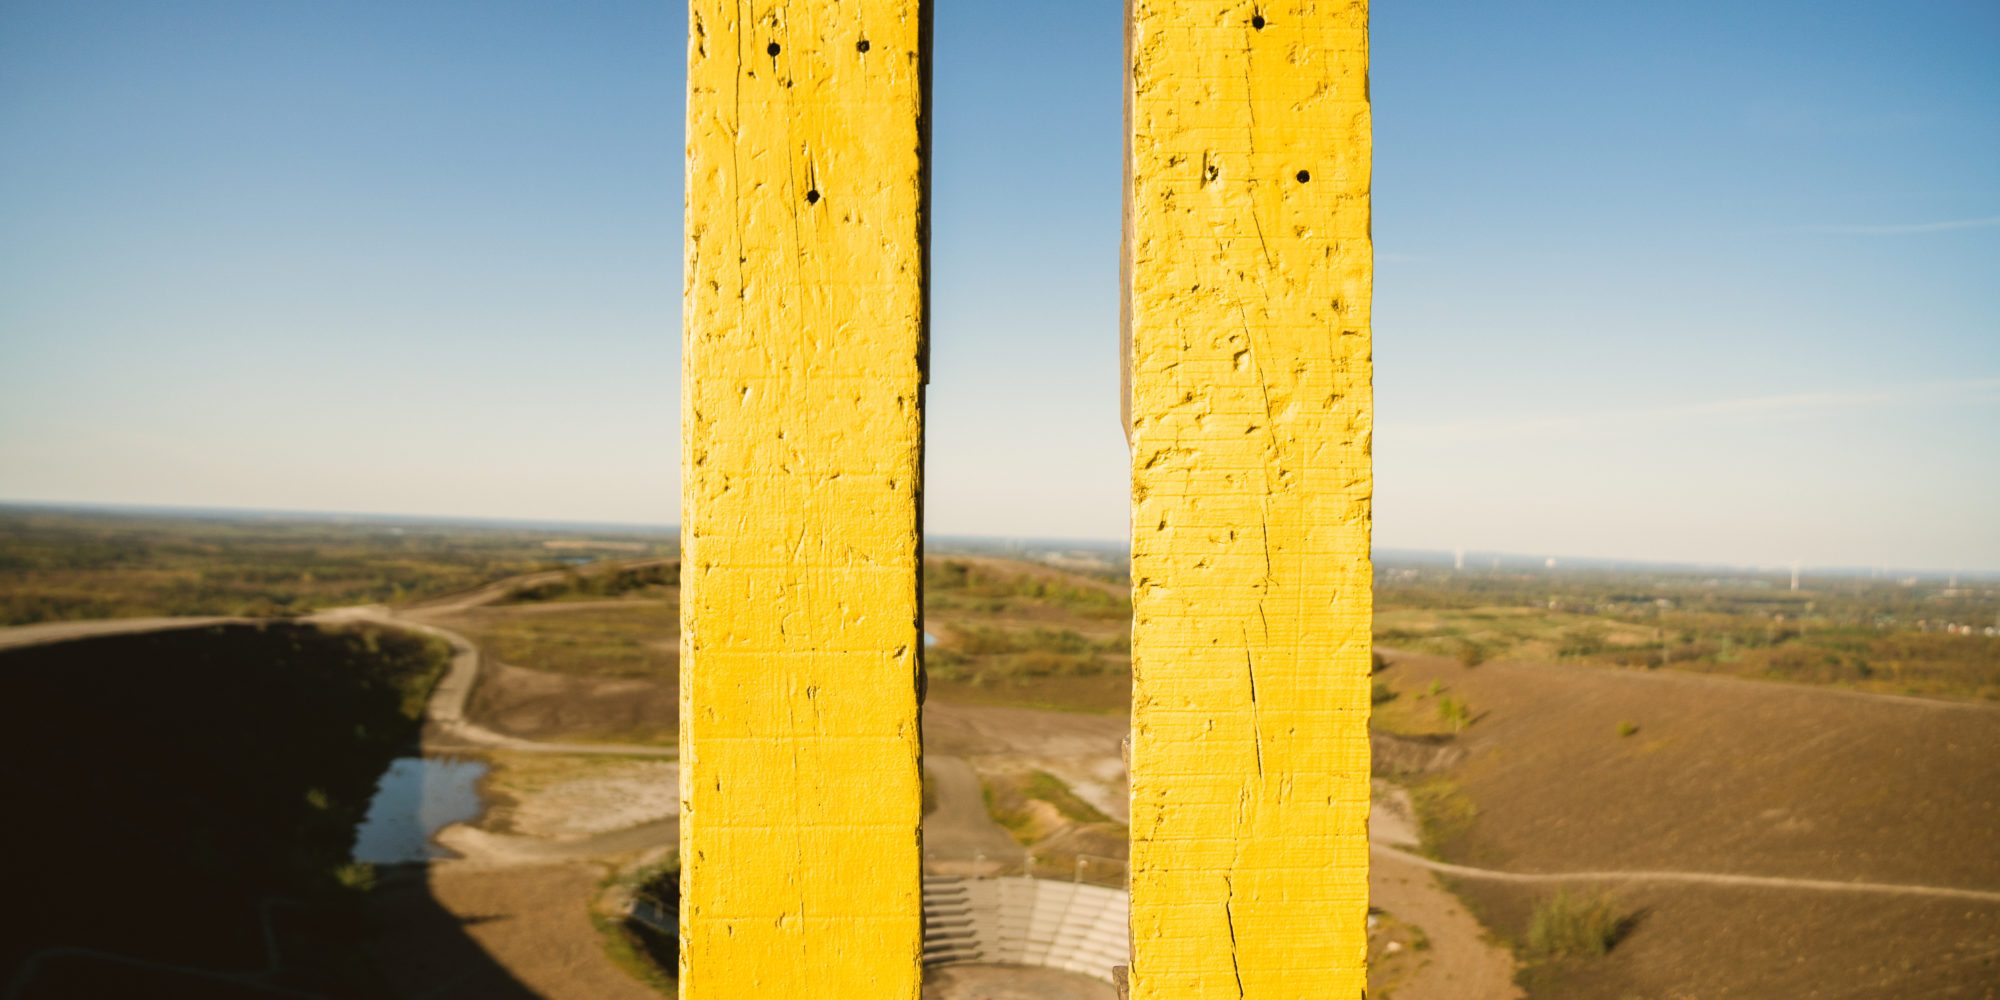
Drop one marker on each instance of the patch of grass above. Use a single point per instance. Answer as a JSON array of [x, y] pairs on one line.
[[1009, 798], [640, 641], [1009, 809], [959, 584], [1470, 653], [645, 953], [1444, 812], [59, 565], [1574, 925], [1020, 637], [1454, 712], [652, 580], [1912, 636], [1050, 789]]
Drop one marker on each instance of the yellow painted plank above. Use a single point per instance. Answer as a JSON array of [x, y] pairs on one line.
[[1249, 268], [802, 468]]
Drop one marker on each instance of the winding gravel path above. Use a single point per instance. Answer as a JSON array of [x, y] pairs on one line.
[[1689, 878]]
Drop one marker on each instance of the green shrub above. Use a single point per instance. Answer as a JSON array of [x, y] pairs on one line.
[[1444, 811], [1574, 925], [1471, 654], [1454, 713]]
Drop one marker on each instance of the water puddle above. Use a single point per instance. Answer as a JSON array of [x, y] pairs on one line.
[[415, 798]]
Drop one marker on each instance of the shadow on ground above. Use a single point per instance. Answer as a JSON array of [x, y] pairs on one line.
[[181, 807]]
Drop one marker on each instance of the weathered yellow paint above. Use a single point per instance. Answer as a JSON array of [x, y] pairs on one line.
[[1251, 416], [802, 415]]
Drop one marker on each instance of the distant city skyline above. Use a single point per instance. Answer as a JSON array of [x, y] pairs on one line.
[[1701, 283]]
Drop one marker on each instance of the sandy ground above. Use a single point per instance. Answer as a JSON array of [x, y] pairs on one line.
[[530, 925], [607, 796], [960, 837], [1011, 982], [1461, 963]]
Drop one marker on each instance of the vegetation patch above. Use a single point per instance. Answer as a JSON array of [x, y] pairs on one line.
[[959, 584], [1026, 635], [656, 579], [1444, 812], [1910, 636], [638, 641], [66, 565], [646, 952], [1067, 836], [1575, 924]]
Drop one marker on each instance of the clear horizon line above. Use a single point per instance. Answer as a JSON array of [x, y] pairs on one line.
[[1847, 570]]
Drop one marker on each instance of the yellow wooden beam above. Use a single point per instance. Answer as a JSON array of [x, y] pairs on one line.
[[1251, 414], [802, 469]]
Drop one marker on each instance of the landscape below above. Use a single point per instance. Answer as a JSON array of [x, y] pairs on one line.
[[1528, 720]]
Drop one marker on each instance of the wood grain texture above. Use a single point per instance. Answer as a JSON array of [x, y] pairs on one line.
[[1251, 416], [802, 465]]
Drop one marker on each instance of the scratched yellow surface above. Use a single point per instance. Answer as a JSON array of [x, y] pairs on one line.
[[802, 464], [1250, 267]]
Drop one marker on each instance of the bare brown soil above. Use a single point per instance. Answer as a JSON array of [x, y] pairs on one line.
[[1589, 768], [1454, 962], [540, 705], [532, 924]]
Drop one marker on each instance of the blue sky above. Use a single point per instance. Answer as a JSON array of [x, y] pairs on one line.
[[1702, 281]]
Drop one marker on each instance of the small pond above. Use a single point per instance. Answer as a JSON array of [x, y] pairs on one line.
[[415, 798]]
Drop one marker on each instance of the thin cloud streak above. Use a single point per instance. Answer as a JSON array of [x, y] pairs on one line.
[[1786, 405], [1909, 229]]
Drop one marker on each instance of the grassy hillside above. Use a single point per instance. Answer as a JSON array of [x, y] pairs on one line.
[[1575, 768], [57, 565], [1929, 638]]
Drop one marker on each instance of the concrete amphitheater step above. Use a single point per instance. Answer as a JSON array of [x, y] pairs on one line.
[[1021, 921]]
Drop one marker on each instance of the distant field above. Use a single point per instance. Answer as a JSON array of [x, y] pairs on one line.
[[1014, 633], [594, 655], [1926, 639], [66, 565]]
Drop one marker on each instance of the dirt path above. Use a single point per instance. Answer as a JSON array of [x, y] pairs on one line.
[[498, 590], [47, 632], [960, 837], [446, 725], [1687, 878], [1461, 962]]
